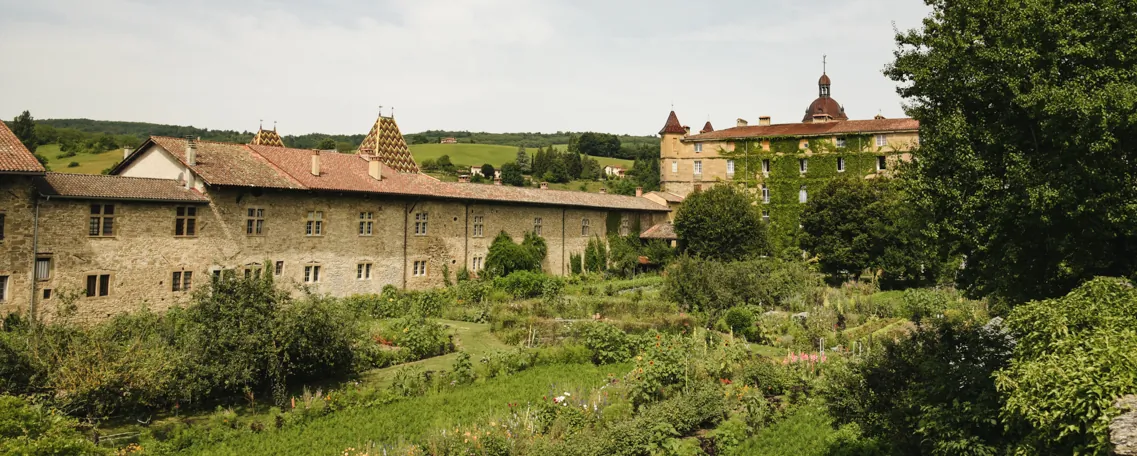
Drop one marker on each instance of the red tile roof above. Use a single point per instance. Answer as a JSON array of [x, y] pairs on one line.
[[825, 106], [663, 230], [14, 157], [672, 125], [668, 196], [811, 129], [707, 128], [97, 186], [221, 163]]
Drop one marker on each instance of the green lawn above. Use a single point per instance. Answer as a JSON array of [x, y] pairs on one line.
[[473, 338], [409, 420], [88, 163], [478, 154]]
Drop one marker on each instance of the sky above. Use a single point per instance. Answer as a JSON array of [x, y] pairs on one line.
[[616, 66]]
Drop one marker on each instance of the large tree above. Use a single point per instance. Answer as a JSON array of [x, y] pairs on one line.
[[1028, 138], [722, 224], [511, 174], [24, 126]]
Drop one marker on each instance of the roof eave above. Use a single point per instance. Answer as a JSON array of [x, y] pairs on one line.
[[810, 135], [122, 198]]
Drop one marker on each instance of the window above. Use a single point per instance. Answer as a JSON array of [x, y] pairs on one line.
[[478, 263], [840, 142], [102, 220], [43, 268], [881, 141], [1, 226], [840, 164], [315, 225], [363, 271], [730, 166], [185, 221], [253, 272], [698, 167], [584, 227], [674, 166], [479, 225], [366, 223], [420, 268], [3, 288], [420, 223], [765, 215], [279, 268], [765, 194], [803, 164], [881, 165], [537, 225], [181, 281], [698, 147], [98, 285], [765, 166], [255, 221], [625, 225], [312, 273], [801, 195]]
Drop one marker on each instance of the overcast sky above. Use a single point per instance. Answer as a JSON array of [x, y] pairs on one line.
[[481, 65]]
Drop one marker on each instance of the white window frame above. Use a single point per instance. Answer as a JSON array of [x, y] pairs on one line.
[[765, 194], [366, 223], [315, 224], [254, 221], [803, 165], [363, 271], [419, 268], [421, 219], [840, 164], [881, 140], [311, 273], [730, 166], [698, 169], [479, 226], [698, 147], [675, 166], [841, 141]]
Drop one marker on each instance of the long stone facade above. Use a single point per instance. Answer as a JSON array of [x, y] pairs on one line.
[[339, 224]]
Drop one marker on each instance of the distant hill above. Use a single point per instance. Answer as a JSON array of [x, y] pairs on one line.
[[479, 154]]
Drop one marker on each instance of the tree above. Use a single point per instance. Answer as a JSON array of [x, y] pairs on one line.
[[24, 127], [598, 144], [540, 163], [444, 163], [558, 170], [523, 160], [506, 256], [419, 139], [488, 171], [722, 224], [326, 144], [572, 164], [838, 223], [1025, 159], [511, 175]]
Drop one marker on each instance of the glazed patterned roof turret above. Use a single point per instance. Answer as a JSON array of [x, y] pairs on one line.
[[267, 138], [386, 142]]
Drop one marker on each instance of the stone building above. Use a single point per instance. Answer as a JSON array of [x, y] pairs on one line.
[[178, 211]]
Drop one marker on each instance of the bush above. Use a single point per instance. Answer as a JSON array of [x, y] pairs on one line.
[[506, 256], [421, 337], [721, 224], [740, 320], [527, 284], [607, 343], [32, 430], [710, 286], [73, 164]]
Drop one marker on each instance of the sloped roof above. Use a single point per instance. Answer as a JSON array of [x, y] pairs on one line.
[[14, 157], [672, 125], [811, 129], [267, 138], [219, 163], [668, 196], [825, 106], [707, 128], [98, 186], [664, 230], [386, 142]]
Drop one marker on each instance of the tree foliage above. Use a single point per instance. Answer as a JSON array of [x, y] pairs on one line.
[[24, 127], [511, 174], [506, 256], [488, 171], [721, 223], [1026, 155]]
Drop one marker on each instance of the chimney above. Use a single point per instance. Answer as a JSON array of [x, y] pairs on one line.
[[544, 185], [191, 151], [639, 192], [741, 122], [464, 179], [686, 130], [315, 162], [764, 120], [497, 181], [375, 169], [126, 152], [603, 191]]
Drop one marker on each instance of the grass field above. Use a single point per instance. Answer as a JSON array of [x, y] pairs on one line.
[[88, 163], [472, 338], [411, 419], [478, 154]]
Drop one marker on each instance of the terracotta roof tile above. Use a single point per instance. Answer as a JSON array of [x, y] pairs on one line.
[[825, 106], [663, 230], [386, 142], [116, 188], [707, 128], [14, 157], [221, 163], [668, 196], [811, 129], [267, 138], [672, 125]]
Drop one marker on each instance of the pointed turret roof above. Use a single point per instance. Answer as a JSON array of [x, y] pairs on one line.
[[267, 138], [707, 128], [386, 142], [672, 126]]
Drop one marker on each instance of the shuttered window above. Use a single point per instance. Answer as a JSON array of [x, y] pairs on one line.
[[43, 268]]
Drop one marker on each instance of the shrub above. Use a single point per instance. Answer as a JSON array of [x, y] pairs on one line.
[[421, 337], [740, 320], [722, 224], [32, 430], [73, 164], [315, 337], [506, 256], [709, 286], [527, 284], [607, 343]]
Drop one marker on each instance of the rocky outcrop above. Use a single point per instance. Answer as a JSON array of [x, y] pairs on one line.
[[1123, 429]]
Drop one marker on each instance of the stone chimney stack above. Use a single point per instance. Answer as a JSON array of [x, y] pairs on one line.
[[315, 162], [375, 169], [639, 192], [686, 130], [544, 185], [191, 151], [741, 122], [464, 179], [764, 120]]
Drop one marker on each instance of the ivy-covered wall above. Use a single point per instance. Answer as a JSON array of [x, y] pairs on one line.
[[785, 179]]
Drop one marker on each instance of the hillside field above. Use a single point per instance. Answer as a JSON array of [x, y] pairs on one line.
[[88, 163], [478, 154]]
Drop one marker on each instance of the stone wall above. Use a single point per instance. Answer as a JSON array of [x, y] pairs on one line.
[[1123, 429], [16, 250]]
